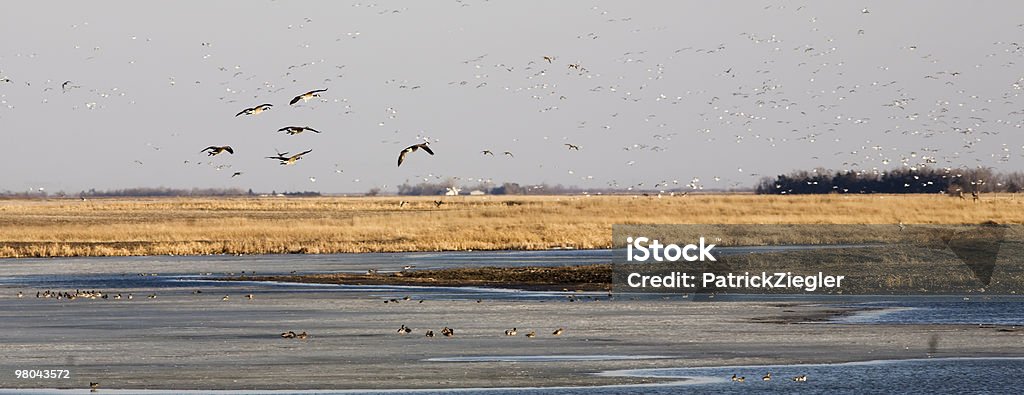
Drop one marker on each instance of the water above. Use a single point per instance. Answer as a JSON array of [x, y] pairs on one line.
[[917, 376]]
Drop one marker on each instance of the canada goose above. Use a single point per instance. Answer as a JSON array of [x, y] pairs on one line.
[[572, 147], [302, 335], [487, 152], [509, 153], [289, 160], [767, 377], [293, 130], [558, 332], [288, 335], [801, 378], [214, 150], [549, 58], [255, 110], [305, 97], [413, 148], [236, 174], [430, 333], [511, 332], [403, 330], [532, 334]]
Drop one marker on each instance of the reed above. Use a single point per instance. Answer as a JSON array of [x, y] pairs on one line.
[[194, 226]]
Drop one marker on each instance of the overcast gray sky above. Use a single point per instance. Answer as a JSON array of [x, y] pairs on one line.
[[669, 91]]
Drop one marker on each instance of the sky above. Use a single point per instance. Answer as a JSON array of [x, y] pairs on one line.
[[667, 94]]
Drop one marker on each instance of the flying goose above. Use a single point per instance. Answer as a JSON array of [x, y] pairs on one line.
[[572, 147], [305, 97], [289, 160], [293, 130], [215, 150], [509, 153], [255, 110], [487, 152], [413, 148]]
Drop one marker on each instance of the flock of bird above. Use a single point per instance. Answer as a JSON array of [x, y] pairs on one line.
[[805, 92], [767, 377]]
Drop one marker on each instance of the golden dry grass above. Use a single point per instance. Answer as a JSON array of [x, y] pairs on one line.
[[103, 227]]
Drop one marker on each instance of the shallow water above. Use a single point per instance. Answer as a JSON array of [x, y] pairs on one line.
[[917, 376]]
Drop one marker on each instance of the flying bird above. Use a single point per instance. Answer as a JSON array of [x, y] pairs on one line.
[[572, 147], [293, 130], [305, 97], [255, 110], [487, 152], [289, 160], [214, 150], [509, 153], [413, 148]]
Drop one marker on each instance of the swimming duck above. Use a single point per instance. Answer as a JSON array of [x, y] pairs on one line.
[[511, 332], [558, 332], [767, 377], [288, 335], [403, 330], [532, 334]]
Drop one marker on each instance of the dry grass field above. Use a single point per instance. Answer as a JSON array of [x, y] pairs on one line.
[[107, 227]]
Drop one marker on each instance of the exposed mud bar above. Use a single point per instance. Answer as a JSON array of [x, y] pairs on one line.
[[564, 278]]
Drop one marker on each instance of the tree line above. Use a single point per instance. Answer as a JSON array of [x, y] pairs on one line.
[[950, 181]]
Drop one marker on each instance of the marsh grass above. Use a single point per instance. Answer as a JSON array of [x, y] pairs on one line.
[[194, 226]]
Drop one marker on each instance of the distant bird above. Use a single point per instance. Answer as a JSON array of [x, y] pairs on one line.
[[250, 296], [236, 174], [558, 332], [289, 160], [509, 153], [288, 335], [532, 334], [21, 295], [767, 377], [413, 148], [404, 329], [572, 147], [430, 333], [549, 58], [447, 332], [226, 297], [511, 332], [439, 203], [293, 130], [302, 335], [255, 110], [305, 97], [487, 152], [800, 378], [215, 150], [93, 386]]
